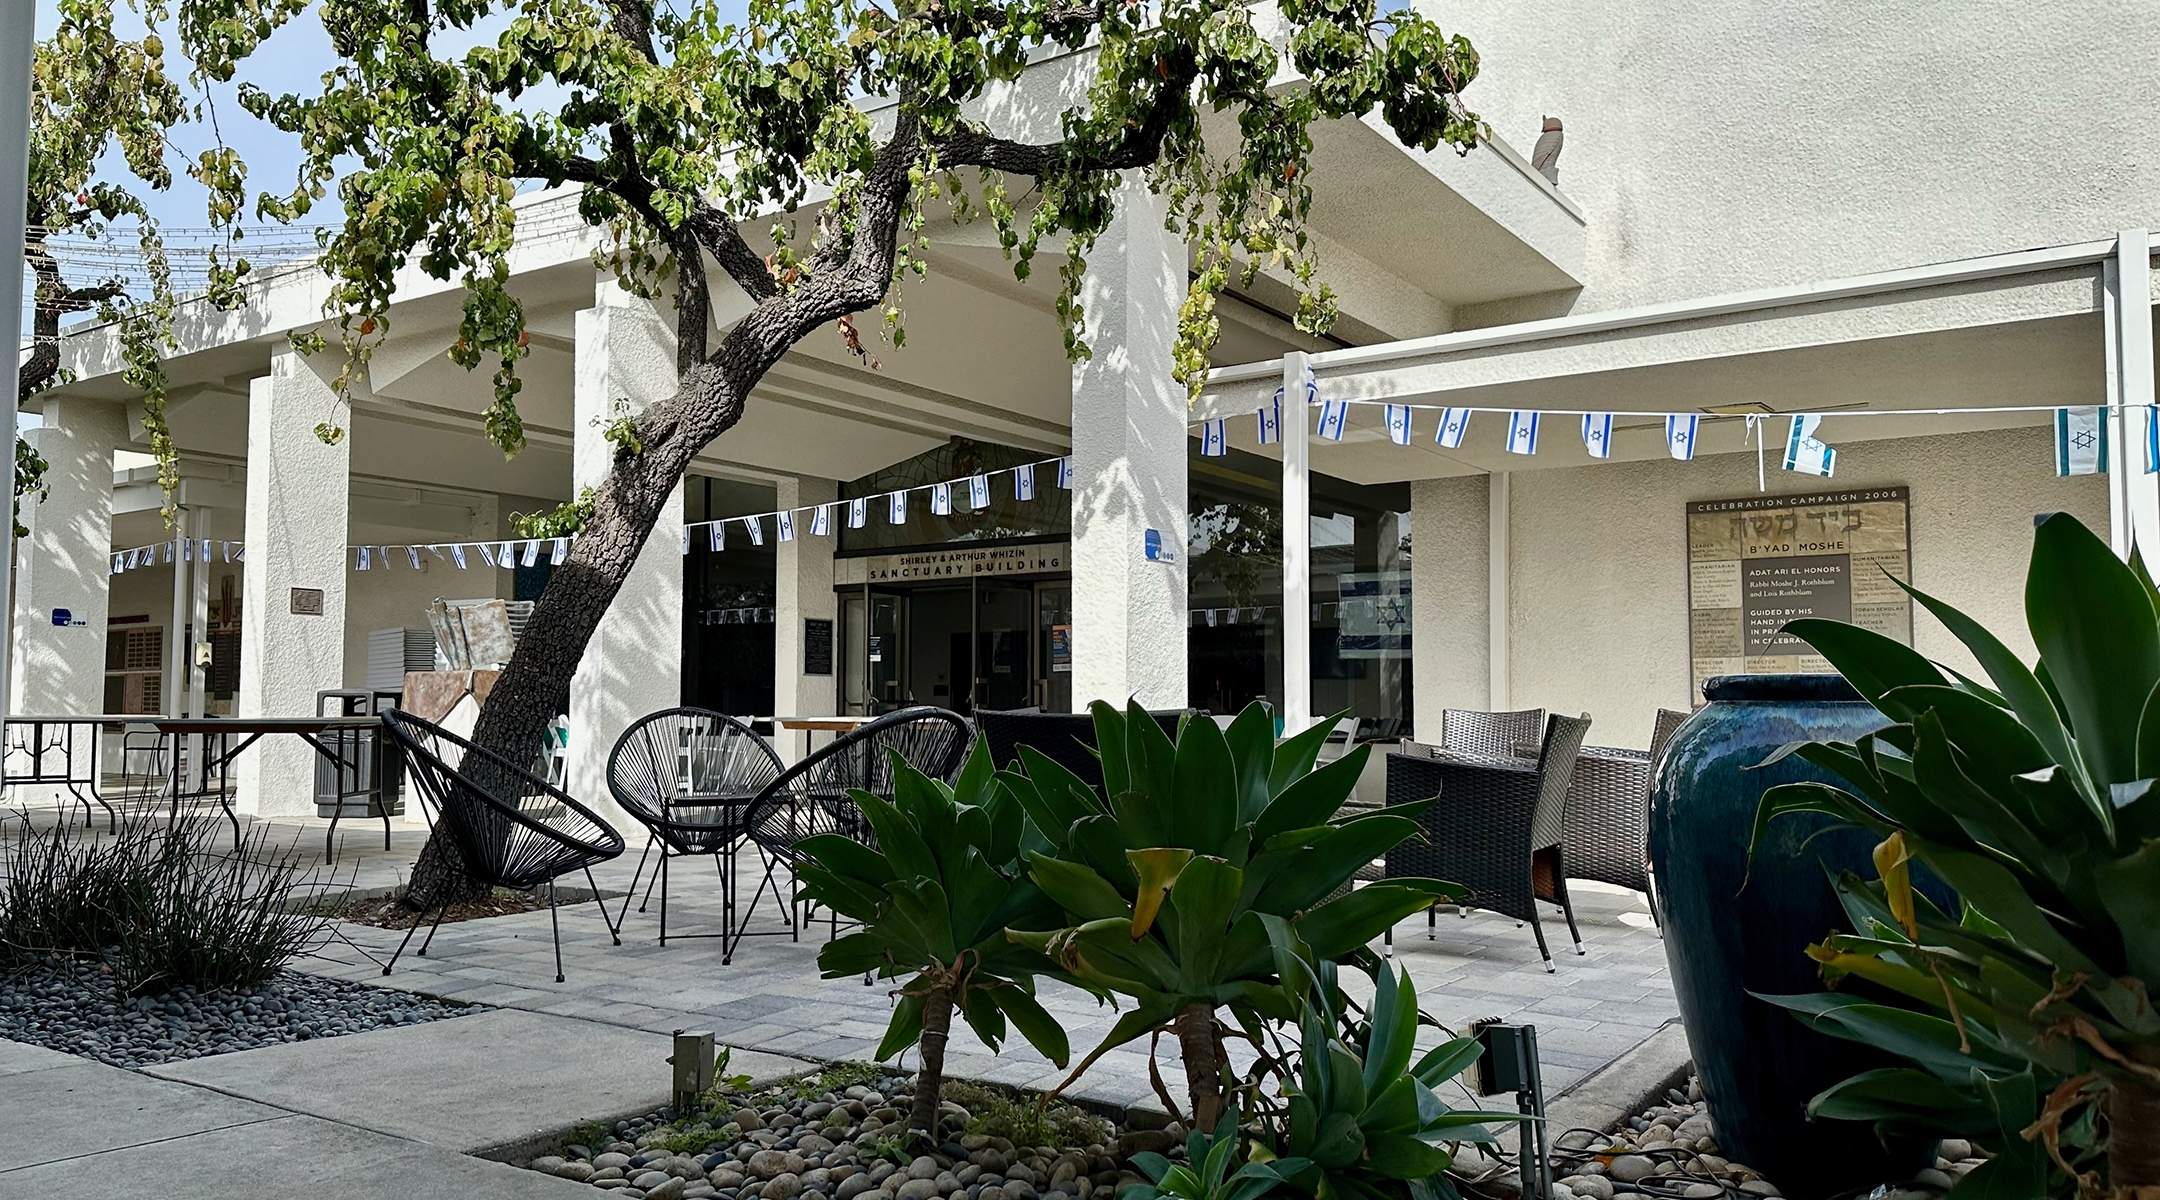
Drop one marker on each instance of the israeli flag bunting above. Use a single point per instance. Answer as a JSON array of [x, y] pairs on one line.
[[1065, 473], [716, 536], [187, 549], [1454, 423], [1398, 424], [1333, 416], [240, 555], [756, 525], [858, 512], [457, 555], [1522, 433], [116, 564], [1024, 482], [896, 507], [978, 491], [1680, 431], [1597, 434], [2081, 446], [1212, 442], [363, 558], [560, 552], [1271, 421], [531, 555], [412, 556], [941, 499], [487, 553], [503, 556], [821, 521], [226, 549], [1804, 452], [165, 552], [785, 522]]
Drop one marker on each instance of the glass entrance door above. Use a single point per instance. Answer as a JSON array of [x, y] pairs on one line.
[[885, 648], [1004, 655], [1053, 646]]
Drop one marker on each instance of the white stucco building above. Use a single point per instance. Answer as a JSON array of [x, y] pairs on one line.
[[1761, 211]]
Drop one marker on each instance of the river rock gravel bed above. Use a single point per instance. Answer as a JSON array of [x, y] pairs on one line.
[[76, 1007]]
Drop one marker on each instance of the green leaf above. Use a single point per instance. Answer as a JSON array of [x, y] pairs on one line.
[[1203, 798], [905, 1028], [1347, 923], [1399, 1157], [1078, 890], [2129, 888], [1110, 745], [845, 856], [1156, 870], [1932, 1042], [1338, 1142], [1251, 738], [1312, 799], [1394, 1015], [2148, 756], [1042, 1031], [1202, 902], [1447, 1060], [1295, 755], [1895, 1092], [2094, 624], [1872, 663], [898, 839]]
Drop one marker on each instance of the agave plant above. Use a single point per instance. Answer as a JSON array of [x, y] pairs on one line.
[[1206, 1174], [2034, 799], [1364, 1121], [1165, 876], [935, 896]]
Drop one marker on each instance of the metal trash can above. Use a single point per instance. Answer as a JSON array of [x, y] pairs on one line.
[[368, 780]]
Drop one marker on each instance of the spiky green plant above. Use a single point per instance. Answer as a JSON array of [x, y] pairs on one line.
[[1166, 874], [1206, 1173]]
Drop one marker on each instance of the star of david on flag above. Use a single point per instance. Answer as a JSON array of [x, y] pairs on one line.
[[412, 557], [1398, 424], [1065, 473], [978, 491], [1333, 416], [1804, 452], [858, 512], [785, 521], [363, 558], [1024, 482], [1680, 431], [1597, 434], [1212, 440], [756, 525], [560, 552], [2081, 446], [487, 553], [502, 556], [941, 499], [896, 507], [531, 555], [821, 521], [1271, 421], [1522, 430], [457, 555], [1454, 423], [716, 535]]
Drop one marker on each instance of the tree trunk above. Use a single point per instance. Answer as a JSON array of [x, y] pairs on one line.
[[930, 1081], [439, 878], [1203, 1071], [2133, 1112]]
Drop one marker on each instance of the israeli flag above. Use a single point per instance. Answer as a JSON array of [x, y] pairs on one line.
[[225, 548], [896, 507], [187, 549], [1024, 482], [363, 558], [1398, 424], [1597, 434], [941, 499], [716, 536], [2152, 440], [560, 552], [1522, 432], [1271, 421], [1454, 423], [1333, 416], [978, 491], [2081, 445], [821, 521], [531, 555], [165, 552], [756, 525], [1680, 431], [1806, 453], [502, 556], [1212, 442], [412, 557], [858, 512], [116, 564], [1065, 472], [786, 522], [686, 539], [487, 553], [240, 555]]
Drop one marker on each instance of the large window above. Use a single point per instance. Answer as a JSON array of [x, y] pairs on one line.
[[728, 598], [1360, 583], [1007, 518]]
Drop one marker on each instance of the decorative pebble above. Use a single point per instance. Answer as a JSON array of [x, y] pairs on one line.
[[1632, 1168]]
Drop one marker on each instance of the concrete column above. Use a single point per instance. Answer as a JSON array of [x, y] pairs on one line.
[[1128, 466], [1295, 705], [66, 562], [1499, 610], [1449, 627], [633, 665], [802, 592], [2126, 320], [292, 610]]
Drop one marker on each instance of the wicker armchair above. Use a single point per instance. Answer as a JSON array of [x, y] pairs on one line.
[[1067, 739], [811, 797], [510, 828], [688, 776], [1497, 827], [1491, 734]]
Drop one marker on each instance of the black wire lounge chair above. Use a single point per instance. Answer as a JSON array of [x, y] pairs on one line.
[[688, 776], [811, 797], [511, 828], [1067, 739], [1492, 734], [1497, 827]]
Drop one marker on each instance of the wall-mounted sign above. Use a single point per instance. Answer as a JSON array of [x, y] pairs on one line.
[[1756, 563], [307, 602], [1374, 613], [956, 563], [817, 646]]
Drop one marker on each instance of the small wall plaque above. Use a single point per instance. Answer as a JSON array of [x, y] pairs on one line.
[[817, 646], [307, 602]]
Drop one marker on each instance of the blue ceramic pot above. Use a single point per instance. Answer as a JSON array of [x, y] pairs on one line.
[[1759, 1066]]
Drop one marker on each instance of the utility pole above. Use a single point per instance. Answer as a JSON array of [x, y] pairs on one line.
[[19, 19]]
